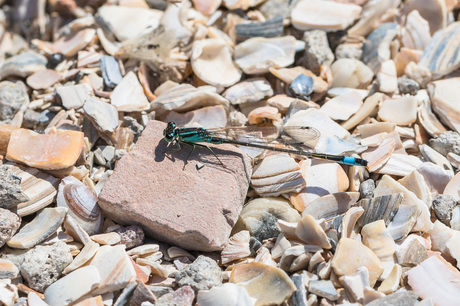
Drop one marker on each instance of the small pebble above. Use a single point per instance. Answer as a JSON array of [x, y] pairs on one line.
[[446, 142], [366, 189], [202, 274], [131, 236], [443, 206], [11, 193], [408, 86]]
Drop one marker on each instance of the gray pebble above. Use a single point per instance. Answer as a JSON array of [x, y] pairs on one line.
[[9, 224], [352, 51], [366, 189], [202, 274], [317, 50], [443, 206], [10, 189], [131, 236], [13, 97], [408, 86], [31, 119], [43, 265], [134, 126], [446, 142], [402, 298], [299, 297]]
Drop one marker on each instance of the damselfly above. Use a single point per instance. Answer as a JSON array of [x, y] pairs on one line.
[[194, 135]]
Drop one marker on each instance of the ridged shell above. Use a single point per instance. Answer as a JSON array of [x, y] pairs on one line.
[[416, 33], [331, 205], [39, 187], [277, 174], [82, 204], [382, 207], [270, 28], [237, 247]]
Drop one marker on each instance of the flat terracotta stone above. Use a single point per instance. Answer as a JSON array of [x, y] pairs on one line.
[[194, 208], [58, 149]]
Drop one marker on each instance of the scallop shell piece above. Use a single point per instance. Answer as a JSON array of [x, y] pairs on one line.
[[323, 15], [376, 48], [436, 272], [416, 32], [439, 56], [260, 114], [277, 174], [351, 73], [373, 10], [277, 52], [343, 107], [309, 231], [185, 97], [226, 294], [268, 285], [41, 227], [82, 204], [39, 187], [250, 90], [407, 114], [237, 247], [351, 255], [376, 237], [264, 256], [207, 54], [331, 205], [260, 216]]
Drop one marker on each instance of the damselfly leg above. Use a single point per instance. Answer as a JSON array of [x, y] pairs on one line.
[[193, 145]]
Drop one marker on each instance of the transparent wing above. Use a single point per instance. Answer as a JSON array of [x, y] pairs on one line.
[[289, 135]]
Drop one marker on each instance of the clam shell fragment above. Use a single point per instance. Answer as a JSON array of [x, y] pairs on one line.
[[40, 228], [257, 54], [207, 55], [380, 208], [82, 204], [277, 174], [39, 187], [237, 247]]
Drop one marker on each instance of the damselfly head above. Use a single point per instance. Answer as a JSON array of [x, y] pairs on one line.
[[168, 132]]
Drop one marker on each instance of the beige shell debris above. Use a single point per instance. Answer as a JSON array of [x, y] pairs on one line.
[[373, 11], [129, 95], [443, 95], [351, 255], [366, 109], [387, 77], [207, 54], [344, 106], [436, 272], [277, 174], [434, 11], [416, 32], [250, 90], [406, 115], [351, 73], [380, 155], [323, 178], [237, 247], [39, 187], [309, 231], [228, 293], [265, 283], [83, 257], [323, 15], [261, 114], [185, 97], [331, 205], [257, 54], [41, 227]]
